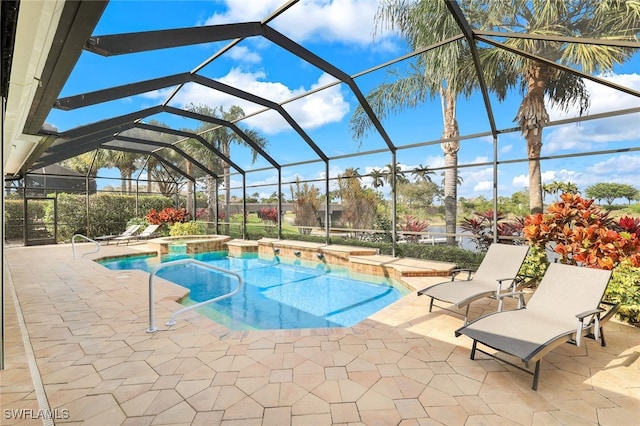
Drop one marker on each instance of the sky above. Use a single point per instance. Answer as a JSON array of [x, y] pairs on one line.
[[343, 32]]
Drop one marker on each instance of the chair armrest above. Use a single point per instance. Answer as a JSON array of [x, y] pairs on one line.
[[582, 315], [594, 322], [455, 272], [519, 294]]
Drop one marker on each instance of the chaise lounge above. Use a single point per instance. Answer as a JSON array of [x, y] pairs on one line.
[[132, 229], [500, 265], [144, 235], [565, 306]]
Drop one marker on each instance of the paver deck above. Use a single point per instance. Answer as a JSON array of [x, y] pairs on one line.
[[77, 349]]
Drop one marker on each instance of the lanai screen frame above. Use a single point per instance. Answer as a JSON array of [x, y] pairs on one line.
[[69, 52], [101, 134]]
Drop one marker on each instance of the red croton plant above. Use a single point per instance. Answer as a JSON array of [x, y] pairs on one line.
[[168, 215], [580, 233]]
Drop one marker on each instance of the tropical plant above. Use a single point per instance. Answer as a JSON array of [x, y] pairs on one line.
[[186, 228], [436, 73], [422, 173], [536, 76], [127, 163], [169, 215], [88, 163], [221, 138], [413, 226], [624, 288], [581, 234], [269, 214], [481, 226], [377, 178]]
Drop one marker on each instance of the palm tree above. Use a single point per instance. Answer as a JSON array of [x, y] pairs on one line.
[[570, 188], [377, 177], [126, 163], [613, 20], [88, 163], [422, 173], [388, 172], [222, 138], [435, 74]]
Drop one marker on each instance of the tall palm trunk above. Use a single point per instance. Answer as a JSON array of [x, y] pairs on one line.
[[450, 150], [532, 117], [123, 181]]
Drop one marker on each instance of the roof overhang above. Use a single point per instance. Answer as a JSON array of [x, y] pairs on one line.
[[49, 37]]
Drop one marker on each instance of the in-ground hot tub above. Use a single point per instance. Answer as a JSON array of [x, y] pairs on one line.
[[188, 244]]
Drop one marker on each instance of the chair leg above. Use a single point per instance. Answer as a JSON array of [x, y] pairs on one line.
[[431, 305], [536, 376], [473, 349], [602, 341]]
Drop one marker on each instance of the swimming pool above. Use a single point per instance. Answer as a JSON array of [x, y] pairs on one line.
[[275, 295]]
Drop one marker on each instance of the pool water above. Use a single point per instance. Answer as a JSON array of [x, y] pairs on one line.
[[275, 295]]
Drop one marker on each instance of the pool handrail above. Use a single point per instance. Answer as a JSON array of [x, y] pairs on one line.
[[172, 321], [73, 245]]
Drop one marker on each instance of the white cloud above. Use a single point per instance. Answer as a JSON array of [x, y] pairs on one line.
[[485, 185], [616, 166], [520, 181], [243, 54], [564, 175], [505, 149], [584, 136], [337, 20], [316, 110]]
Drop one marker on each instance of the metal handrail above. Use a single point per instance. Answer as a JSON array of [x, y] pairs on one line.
[[73, 245], [152, 328]]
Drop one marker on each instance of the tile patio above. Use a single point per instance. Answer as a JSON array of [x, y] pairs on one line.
[[77, 348]]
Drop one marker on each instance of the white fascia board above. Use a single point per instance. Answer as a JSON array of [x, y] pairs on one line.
[[36, 28]]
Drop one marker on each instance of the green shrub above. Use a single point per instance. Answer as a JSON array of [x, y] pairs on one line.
[[72, 215], [109, 213], [535, 264], [624, 288], [13, 218], [187, 228]]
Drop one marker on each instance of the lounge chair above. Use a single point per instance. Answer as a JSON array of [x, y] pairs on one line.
[[132, 229], [145, 234], [500, 265], [564, 307]]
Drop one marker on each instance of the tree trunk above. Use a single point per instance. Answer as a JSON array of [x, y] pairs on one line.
[[532, 117], [450, 150], [534, 146], [123, 181]]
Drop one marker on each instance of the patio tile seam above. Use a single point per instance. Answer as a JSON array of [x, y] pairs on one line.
[[36, 379]]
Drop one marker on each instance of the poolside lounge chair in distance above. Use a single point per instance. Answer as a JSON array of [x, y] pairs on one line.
[[564, 307], [145, 234], [500, 265], [132, 229]]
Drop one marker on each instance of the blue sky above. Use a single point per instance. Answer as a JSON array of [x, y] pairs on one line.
[[341, 31]]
